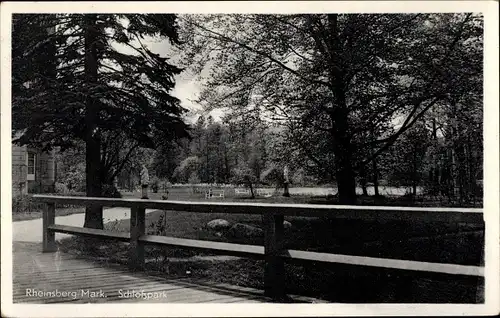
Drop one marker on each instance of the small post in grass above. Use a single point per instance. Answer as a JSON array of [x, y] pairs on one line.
[[274, 272], [137, 229], [49, 237]]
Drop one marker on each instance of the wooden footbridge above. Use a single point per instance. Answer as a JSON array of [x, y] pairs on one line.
[[48, 276], [53, 278]]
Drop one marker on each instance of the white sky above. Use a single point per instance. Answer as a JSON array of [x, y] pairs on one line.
[[187, 87]]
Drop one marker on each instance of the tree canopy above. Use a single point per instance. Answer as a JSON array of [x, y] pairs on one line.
[[340, 84], [132, 89], [91, 77]]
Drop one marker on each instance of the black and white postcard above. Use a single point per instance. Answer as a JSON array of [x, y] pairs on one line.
[[250, 158]]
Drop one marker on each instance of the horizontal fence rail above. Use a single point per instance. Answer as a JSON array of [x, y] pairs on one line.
[[273, 251], [465, 215]]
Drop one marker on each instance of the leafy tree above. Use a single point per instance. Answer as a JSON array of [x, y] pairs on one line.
[[187, 169], [325, 76], [168, 157], [70, 168], [74, 177], [216, 152], [117, 154], [243, 175], [408, 157], [117, 151], [273, 175], [456, 149], [248, 142], [194, 179], [83, 87]]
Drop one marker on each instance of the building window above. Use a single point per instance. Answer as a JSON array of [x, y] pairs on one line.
[[31, 161]]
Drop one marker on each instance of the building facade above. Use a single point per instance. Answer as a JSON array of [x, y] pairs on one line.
[[33, 171]]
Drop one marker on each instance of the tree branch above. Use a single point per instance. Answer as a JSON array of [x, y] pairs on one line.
[[406, 125], [224, 38], [125, 160]]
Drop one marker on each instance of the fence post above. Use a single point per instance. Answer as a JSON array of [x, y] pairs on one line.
[[137, 229], [49, 237], [274, 271]]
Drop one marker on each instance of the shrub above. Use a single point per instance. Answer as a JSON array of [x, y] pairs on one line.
[[186, 169], [110, 191], [74, 178], [194, 179], [61, 188], [164, 185], [274, 176], [155, 184], [24, 203]]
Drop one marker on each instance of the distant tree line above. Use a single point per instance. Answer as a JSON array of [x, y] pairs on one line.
[[439, 155]]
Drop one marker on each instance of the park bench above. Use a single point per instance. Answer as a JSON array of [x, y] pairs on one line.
[[274, 251], [265, 192], [241, 192], [214, 194]]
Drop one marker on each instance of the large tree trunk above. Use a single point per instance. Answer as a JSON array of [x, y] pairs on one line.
[[286, 191], [251, 190], [93, 215], [346, 182], [375, 177], [346, 178], [342, 149]]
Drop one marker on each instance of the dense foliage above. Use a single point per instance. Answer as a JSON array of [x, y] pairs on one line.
[[89, 79], [344, 87], [341, 99]]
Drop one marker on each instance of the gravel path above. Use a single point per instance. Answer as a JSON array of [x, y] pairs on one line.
[[31, 230]]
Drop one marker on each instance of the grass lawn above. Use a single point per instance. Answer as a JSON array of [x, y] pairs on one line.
[[433, 242], [186, 194]]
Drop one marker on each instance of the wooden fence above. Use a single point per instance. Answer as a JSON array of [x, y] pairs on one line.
[[273, 251]]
